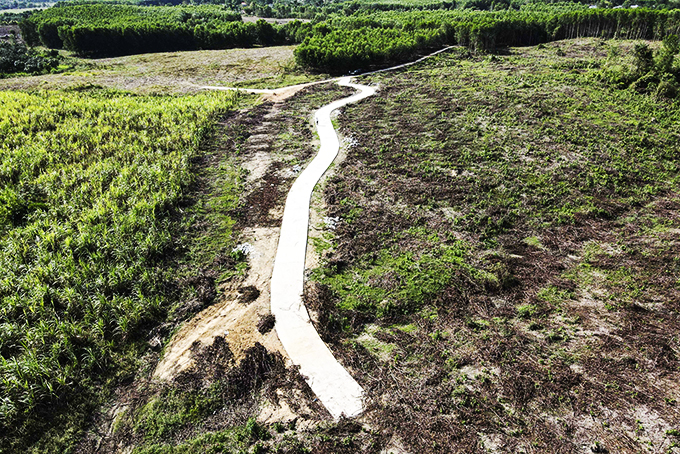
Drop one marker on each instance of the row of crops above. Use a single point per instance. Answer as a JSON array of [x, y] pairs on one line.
[[88, 182]]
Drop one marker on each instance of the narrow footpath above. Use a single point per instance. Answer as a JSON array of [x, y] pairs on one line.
[[332, 384]]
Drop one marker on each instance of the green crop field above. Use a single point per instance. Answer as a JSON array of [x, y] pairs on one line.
[[90, 181]]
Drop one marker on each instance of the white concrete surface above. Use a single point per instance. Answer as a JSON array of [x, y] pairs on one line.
[[267, 91], [332, 384]]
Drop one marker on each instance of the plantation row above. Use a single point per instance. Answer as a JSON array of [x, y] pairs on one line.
[[106, 30], [383, 38], [87, 183]]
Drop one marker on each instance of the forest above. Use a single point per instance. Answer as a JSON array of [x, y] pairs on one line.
[[339, 42], [107, 30], [384, 38]]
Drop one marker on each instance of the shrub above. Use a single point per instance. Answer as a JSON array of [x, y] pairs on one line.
[[668, 88], [15, 57]]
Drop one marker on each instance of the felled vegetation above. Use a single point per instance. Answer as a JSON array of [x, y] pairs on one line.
[[555, 330], [90, 181]]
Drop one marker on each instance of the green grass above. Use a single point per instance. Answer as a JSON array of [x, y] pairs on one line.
[[236, 440], [396, 282], [90, 182]]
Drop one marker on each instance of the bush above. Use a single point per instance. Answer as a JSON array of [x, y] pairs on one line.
[[15, 57], [668, 88]]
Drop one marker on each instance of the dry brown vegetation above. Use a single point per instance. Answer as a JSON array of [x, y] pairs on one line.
[[175, 72], [559, 332]]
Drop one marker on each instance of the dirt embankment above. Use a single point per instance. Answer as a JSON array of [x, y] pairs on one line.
[[243, 301]]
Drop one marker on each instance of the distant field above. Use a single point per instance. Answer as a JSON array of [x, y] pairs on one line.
[[22, 10], [177, 71]]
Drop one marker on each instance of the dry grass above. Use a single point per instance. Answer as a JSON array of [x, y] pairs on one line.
[[176, 72]]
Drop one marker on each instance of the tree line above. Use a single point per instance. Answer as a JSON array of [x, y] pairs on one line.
[[391, 37], [109, 30], [340, 42]]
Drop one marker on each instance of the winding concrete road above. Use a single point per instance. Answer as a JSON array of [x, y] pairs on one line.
[[332, 384]]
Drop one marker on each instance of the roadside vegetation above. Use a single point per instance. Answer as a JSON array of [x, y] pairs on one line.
[[217, 405], [504, 274]]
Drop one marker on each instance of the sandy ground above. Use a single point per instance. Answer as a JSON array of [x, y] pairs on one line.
[[231, 318], [234, 320]]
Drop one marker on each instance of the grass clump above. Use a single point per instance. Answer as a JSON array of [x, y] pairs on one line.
[[647, 71], [388, 283]]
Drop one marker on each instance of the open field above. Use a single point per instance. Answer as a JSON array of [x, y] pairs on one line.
[[504, 277], [23, 10], [495, 260], [176, 72]]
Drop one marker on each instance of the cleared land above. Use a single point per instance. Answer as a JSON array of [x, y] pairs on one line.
[[504, 276], [176, 72]]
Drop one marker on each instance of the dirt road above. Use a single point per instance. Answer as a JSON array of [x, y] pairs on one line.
[[329, 380]]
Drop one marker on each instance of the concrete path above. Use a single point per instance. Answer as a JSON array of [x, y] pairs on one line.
[[332, 384]]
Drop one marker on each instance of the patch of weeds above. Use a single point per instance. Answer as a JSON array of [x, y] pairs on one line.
[[376, 347], [554, 295], [526, 310], [534, 242], [386, 283], [405, 328], [323, 243]]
